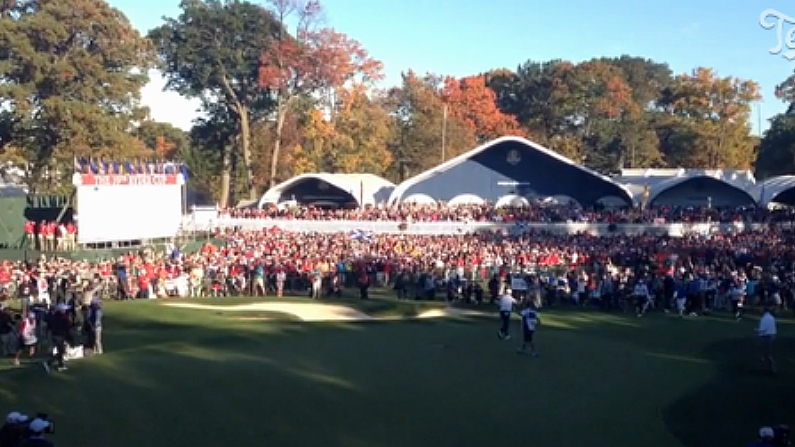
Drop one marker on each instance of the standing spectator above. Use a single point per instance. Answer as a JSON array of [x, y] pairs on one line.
[[27, 337], [767, 333], [61, 237], [281, 277], [42, 235], [60, 326], [95, 315], [6, 332], [364, 284], [506, 303], [71, 236], [30, 235], [51, 235]]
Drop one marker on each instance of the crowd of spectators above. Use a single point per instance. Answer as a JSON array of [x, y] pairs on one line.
[[578, 268], [535, 213], [51, 235]]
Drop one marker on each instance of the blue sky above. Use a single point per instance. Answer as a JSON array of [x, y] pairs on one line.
[[462, 37]]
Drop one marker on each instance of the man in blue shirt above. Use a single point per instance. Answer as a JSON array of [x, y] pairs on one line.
[[121, 276]]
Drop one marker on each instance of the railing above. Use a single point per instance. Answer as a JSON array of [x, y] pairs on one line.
[[438, 228]]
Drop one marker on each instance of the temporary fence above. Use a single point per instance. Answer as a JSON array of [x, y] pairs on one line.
[[452, 227]]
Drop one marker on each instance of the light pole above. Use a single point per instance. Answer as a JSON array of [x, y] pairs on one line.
[[444, 132]]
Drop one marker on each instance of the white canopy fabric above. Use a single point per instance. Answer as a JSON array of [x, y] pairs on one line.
[[513, 200], [466, 199], [421, 199], [767, 192]]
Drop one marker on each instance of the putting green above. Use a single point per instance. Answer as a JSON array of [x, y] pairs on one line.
[[204, 377]]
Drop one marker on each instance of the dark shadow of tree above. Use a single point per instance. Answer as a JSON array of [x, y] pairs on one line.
[[738, 400]]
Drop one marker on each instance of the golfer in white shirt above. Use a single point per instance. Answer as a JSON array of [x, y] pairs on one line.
[[506, 303], [767, 333]]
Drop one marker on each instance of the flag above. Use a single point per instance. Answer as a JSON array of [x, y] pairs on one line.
[[93, 165], [116, 167], [140, 167], [77, 166], [184, 172], [105, 167], [361, 235]]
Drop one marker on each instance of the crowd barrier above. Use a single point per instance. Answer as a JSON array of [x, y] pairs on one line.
[[440, 228]]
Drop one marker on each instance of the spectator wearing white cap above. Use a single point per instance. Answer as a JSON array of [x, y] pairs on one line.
[[506, 304], [36, 430], [14, 429], [767, 438]]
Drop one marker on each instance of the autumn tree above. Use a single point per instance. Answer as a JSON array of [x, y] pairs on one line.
[[707, 118], [473, 102], [647, 79], [165, 140], [283, 70], [597, 102], [72, 74], [531, 95], [355, 140], [422, 136], [212, 52], [314, 62], [578, 110]]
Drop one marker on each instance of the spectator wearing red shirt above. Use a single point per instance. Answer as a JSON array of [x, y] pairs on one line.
[[71, 237], [30, 234], [42, 235]]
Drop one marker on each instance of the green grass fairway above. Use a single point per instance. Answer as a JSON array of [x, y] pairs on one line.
[[184, 377]]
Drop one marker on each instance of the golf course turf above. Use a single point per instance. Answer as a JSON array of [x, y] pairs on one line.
[[195, 377]]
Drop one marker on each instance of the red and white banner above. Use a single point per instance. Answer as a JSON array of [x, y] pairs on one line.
[[127, 179]]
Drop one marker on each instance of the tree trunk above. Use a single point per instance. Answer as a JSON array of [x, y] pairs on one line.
[[226, 176], [245, 146], [281, 115]]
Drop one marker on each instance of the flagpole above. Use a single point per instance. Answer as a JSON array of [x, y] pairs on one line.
[[184, 195]]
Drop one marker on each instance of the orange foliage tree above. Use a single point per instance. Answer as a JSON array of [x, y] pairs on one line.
[[165, 149], [472, 101], [313, 61], [356, 139]]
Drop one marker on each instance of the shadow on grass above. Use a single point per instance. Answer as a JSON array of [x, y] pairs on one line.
[[182, 384], [738, 400], [187, 377]]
